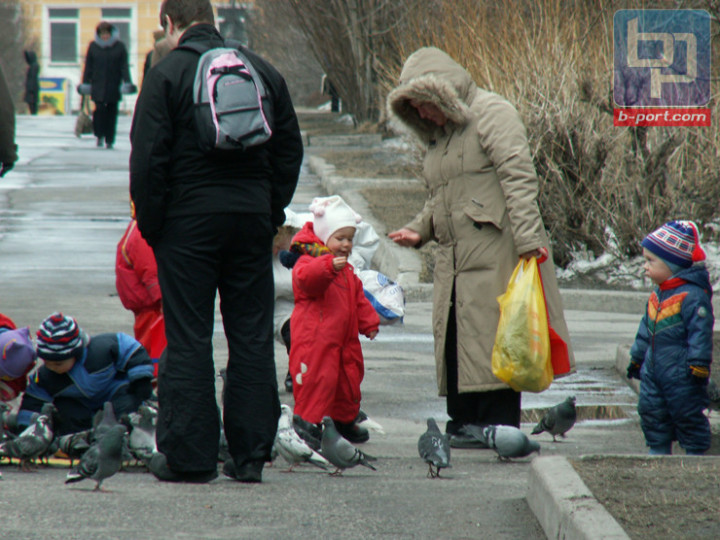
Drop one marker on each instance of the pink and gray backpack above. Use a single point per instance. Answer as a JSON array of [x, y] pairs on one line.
[[232, 105]]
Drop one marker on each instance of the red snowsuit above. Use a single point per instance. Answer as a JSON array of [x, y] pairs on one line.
[[137, 284], [326, 361]]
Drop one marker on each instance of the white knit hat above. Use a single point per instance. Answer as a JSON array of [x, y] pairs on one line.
[[330, 214]]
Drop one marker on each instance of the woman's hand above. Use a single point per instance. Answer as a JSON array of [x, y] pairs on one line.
[[540, 253], [372, 334], [405, 237]]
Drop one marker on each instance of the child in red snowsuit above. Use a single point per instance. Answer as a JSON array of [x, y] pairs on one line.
[[326, 361], [137, 284]]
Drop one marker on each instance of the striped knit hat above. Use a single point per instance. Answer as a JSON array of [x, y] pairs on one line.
[[677, 243], [59, 338]]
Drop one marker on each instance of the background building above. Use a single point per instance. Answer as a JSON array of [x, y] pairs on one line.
[[61, 31]]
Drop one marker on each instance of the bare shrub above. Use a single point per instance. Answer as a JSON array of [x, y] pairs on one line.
[[601, 187]]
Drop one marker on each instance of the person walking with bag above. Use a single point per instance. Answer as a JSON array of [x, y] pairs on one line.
[[210, 217], [32, 82], [483, 213], [8, 148], [106, 69]]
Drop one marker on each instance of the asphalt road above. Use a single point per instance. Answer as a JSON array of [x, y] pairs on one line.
[[62, 211]]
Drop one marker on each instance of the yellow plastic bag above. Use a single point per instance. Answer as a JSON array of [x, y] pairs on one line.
[[521, 354]]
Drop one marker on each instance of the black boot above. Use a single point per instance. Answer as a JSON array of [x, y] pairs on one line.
[[288, 383], [308, 432]]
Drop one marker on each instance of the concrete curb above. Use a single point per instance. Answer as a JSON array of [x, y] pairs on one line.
[[564, 505]]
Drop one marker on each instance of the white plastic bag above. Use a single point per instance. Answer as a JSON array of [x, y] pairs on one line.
[[386, 296]]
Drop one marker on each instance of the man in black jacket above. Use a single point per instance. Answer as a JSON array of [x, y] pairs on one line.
[[210, 219]]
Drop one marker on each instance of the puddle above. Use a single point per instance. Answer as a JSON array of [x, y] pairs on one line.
[[584, 412]]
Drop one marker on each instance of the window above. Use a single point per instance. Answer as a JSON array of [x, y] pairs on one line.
[[120, 19], [63, 35]]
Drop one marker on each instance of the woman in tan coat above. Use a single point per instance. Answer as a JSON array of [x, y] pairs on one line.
[[482, 211]]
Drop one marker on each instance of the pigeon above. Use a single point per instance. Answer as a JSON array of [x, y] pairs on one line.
[[368, 423], [558, 420], [104, 420], [507, 441], [4, 410], [340, 452], [102, 460], [32, 442], [74, 445], [434, 448], [291, 447], [142, 433]]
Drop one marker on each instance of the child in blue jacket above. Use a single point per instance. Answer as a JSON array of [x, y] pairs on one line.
[[79, 374], [672, 352]]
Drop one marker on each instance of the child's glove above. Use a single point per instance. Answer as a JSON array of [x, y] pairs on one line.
[[633, 370], [141, 388], [700, 373], [288, 258]]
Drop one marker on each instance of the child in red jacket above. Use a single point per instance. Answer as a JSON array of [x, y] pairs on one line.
[[137, 284], [326, 361]]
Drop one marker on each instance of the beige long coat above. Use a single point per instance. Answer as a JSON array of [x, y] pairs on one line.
[[482, 209]]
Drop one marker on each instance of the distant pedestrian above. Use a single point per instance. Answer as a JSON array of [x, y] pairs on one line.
[[672, 352], [160, 49], [8, 148], [210, 219], [32, 82], [106, 68], [80, 373], [331, 311]]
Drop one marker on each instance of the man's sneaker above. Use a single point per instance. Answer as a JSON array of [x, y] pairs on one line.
[[159, 468], [353, 432], [249, 472], [308, 432]]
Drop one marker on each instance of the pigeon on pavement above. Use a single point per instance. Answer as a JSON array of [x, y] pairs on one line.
[[368, 423], [32, 442], [558, 420], [338, 451], [142, 433], [434, 448], [507, 441], [74, 445], [291, 447], [102, 460]]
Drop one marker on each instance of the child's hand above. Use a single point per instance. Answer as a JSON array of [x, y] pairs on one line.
[[339, 263], [372, 334]]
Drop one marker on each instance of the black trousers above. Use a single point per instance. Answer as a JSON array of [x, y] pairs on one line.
[[197, 256], [480, 408], [105, 121]]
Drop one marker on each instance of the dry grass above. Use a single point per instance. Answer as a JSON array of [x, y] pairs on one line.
[[659, 498], [553, 60]]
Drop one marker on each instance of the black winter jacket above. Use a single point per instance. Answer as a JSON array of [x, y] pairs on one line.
[[106, 68], [32, 84], [170, 176]]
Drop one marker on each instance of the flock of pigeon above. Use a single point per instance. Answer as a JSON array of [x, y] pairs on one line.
[[102, 450], [507, 441]]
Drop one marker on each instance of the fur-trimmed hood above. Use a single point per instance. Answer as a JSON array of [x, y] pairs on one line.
[[432, 76]]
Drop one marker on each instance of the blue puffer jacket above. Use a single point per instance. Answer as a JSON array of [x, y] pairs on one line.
[[675, 333], [106, 371]]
